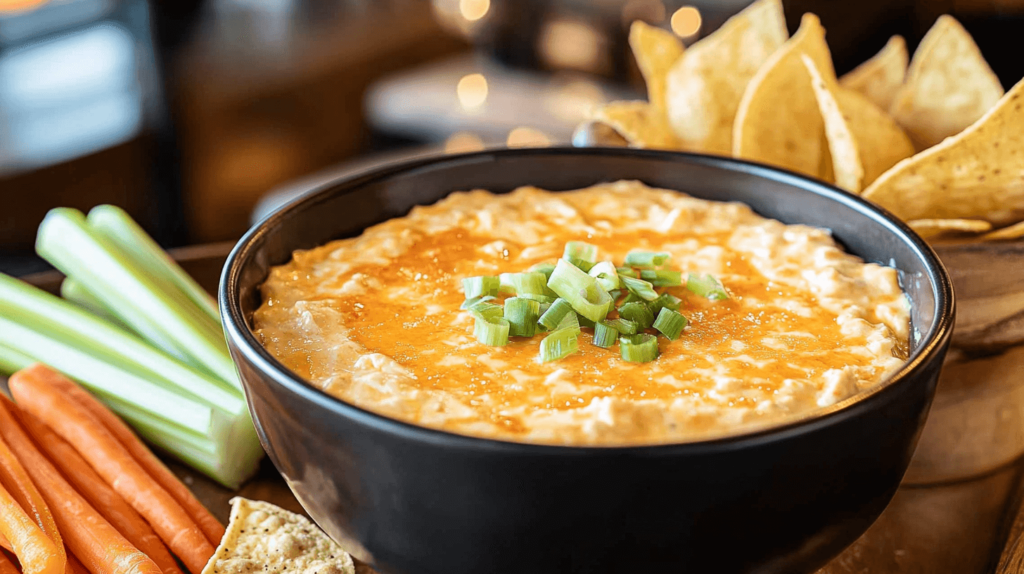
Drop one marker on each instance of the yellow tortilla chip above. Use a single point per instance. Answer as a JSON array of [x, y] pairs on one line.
[[879, 78], [706, 84], [847, 170], [778, 121], [263, 538], [1015, 231], [949, 86], [977, 174], [934, 227], [638, 123], [880, 140], [655, 51]]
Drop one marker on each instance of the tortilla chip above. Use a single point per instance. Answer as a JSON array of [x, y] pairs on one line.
[[638, 123], [706, 84], [778, 121], [949, 86], [655, 51], [881, 141], [1015, 231], [263, 538], [847, 170], [880, 78], [934, 227], [977, 174]]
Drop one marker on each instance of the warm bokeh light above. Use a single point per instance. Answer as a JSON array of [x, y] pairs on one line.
[[650, 11], [527, 137], [19, 5], [571, 44], [686, 21], [472, 91], [474, 10], [462, 142], [575, 101]]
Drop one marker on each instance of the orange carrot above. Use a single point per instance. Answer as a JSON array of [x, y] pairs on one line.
[[99, 494], [18, 483], [35, 393], [76, 567], [88, 535], [5, 544], [211, 527], [34, 550], [6, 566]]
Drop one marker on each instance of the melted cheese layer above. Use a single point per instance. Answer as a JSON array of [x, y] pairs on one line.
[[375, 320]]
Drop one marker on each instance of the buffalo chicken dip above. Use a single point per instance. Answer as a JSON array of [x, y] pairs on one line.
[[617, 314]]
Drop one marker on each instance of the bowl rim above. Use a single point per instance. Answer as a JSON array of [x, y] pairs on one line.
[[237, 330]]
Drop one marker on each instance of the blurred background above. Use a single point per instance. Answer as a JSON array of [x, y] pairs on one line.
[[199, 116]]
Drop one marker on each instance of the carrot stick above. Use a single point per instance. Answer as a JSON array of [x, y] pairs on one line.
[[89, 537], [211, 527], [98, 493], [6, 566], [18, 483], [76, 566], [34, 392], [34, 550]]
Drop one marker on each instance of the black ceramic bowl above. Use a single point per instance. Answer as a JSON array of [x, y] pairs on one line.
[[419, 501]]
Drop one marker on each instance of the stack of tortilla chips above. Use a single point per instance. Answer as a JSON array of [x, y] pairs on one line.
[[936, 142]]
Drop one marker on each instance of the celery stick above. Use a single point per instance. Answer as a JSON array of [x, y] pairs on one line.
[[11, 360], [103, 377], [65, 240], [61, 320], [121, 229]]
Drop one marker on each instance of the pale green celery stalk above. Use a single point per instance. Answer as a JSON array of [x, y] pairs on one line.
[[11, 360], [119, 227], [99, 376], [61, 320], [66, 241]]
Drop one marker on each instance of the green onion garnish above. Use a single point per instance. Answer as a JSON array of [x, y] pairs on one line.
[[522, 315], [639, 348], [624, 326], [638, 313], [485, 310], [627, 272], [640, 288], [555, 313], [571, 322], [670, 323], [665, 301], [581, 291], [606, 276], [584, 322], [470, 302], [583, 264], [548, 299], [492, 332], [558, 345], [615, 293], [662, 277], [646, 258], [545, 268], [706, 286], [580, 250], [529, 283], [480, 286], [605, 335]]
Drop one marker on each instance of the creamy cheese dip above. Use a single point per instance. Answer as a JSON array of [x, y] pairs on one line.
[[375, 320]]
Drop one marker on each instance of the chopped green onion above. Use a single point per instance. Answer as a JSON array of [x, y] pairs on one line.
[[558, 345], [639, 348], [706, 286], [665, 301], [646, 258], [605, 274], [638, 313], [465, 304], [522, 315], [624, 326], [530, 283], [480, 286], [580, 250], [491, 332], [662, 277], [670, 323], [615, 293], [640, 288], [545, 268], [627, 272], [580, 290], [632, 297], [584, 322], [555, 313], [485, 310], [582, 264], [605, 335], [538, 298], [571, 322]]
